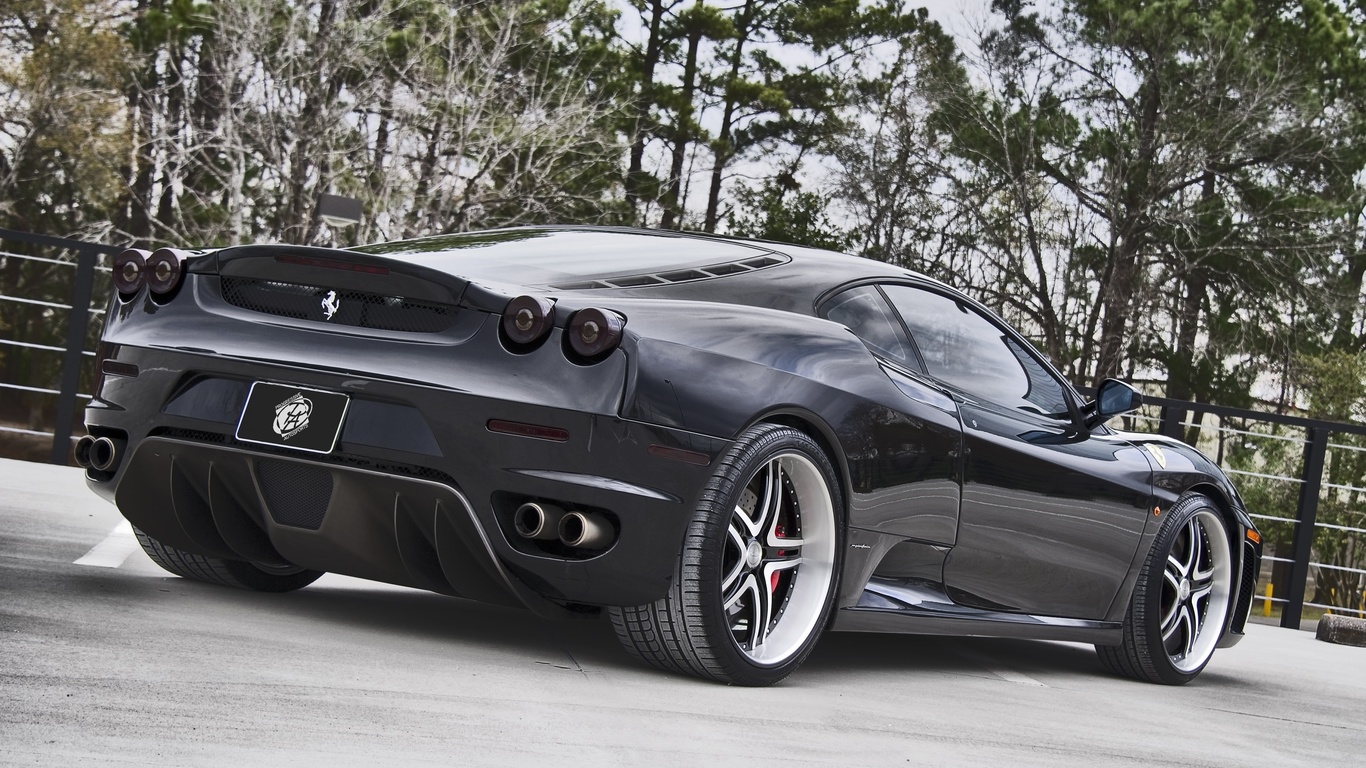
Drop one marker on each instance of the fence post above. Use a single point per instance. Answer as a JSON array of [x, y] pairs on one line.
[[1171, 422], [1314, 453], [77, 323]]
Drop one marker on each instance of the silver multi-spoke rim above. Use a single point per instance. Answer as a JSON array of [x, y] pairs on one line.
[[778, 559], [1196, 583]]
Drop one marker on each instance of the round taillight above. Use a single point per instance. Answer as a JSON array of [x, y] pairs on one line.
[[165, 268], [527, 319], [594, 332], [130, 270]]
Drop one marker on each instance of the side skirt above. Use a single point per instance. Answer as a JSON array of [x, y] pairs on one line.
[[921, 608]]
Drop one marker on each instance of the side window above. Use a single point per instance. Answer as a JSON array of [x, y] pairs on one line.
[[864, 312], [969, 352]]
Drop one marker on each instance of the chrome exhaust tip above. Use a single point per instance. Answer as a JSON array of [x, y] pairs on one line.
[[586, 530], [104, 454], [81, 453], [537, 520]]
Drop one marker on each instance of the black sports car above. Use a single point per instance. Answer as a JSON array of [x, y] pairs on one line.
[[726, 446]]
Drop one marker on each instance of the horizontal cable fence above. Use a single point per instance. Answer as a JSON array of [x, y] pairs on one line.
[[1304, 482], [53, 293]]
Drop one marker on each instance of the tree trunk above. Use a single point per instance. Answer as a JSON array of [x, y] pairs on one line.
[[644, 100], [172, 120], [136, 203], [1195, 281], [297, 226], [682, 134], [386, 115], [1344, 336], [724, 150], [206, 115], [426, 172], [1122, 288]]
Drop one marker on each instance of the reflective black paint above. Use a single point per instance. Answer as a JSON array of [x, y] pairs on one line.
[[1024, 525], [1050, 521]]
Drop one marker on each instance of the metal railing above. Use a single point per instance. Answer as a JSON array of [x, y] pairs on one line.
[[1185, 421], [80, 261]]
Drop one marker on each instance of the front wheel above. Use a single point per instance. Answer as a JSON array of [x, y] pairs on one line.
[[1181, 601], [757, 575]]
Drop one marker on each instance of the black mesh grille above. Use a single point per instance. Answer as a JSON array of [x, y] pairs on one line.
[[297, 495], [189, 434], [354, 308], [407, 470]]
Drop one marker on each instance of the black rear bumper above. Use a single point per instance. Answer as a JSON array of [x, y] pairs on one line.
[[233, 503], [418, 492]]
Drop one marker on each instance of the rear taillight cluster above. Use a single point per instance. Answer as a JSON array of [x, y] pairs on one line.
[[161, 271], [590, 334]]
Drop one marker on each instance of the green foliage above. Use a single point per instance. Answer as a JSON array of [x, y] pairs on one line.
[[1168, 185], [61, 123], [761, 80], [783, 212], [1335, 383], [63, 140]]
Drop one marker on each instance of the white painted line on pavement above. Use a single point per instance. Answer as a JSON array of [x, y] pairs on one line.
[[1006, 674], [116, 547], [1011, 676]]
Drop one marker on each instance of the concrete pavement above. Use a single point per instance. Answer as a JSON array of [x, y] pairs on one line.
[[121, 665]]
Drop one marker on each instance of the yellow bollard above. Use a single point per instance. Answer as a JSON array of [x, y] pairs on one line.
[[1266, 604]]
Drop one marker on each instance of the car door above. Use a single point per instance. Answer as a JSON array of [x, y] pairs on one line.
[[1051, 514], [903, 461]]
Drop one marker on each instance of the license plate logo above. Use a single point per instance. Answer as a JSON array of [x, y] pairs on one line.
[[293, 417]]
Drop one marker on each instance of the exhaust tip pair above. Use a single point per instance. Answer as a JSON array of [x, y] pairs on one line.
[[97, 453], [573, 528]]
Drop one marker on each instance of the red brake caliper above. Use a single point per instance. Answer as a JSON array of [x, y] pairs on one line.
[[773, 580]]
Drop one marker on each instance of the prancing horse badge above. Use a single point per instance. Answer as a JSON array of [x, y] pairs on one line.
[[1158, 455], [330, 305]]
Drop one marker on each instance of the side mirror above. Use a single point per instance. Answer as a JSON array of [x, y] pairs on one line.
[[1112, 398]]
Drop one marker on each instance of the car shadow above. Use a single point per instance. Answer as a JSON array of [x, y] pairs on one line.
[[414, 614], [857, 652], [591, 640]]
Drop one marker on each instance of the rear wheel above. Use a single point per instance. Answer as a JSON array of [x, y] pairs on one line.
[[757, 575], [1181, 600], [241, 574]]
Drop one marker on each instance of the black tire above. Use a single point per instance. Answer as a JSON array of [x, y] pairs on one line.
[[1182, 599], [735, 571], [240, 574]]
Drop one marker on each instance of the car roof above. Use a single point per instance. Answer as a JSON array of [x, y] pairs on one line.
[[643, 263]]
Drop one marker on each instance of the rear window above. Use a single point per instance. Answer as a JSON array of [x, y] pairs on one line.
[[864, 312], [571, 258]]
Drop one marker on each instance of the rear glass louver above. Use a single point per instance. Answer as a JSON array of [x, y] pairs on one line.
[[338, 307], [675, 276]]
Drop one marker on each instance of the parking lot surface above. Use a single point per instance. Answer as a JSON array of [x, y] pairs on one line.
[[107, 660]]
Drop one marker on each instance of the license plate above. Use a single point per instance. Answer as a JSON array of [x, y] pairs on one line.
[[292, 417]]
